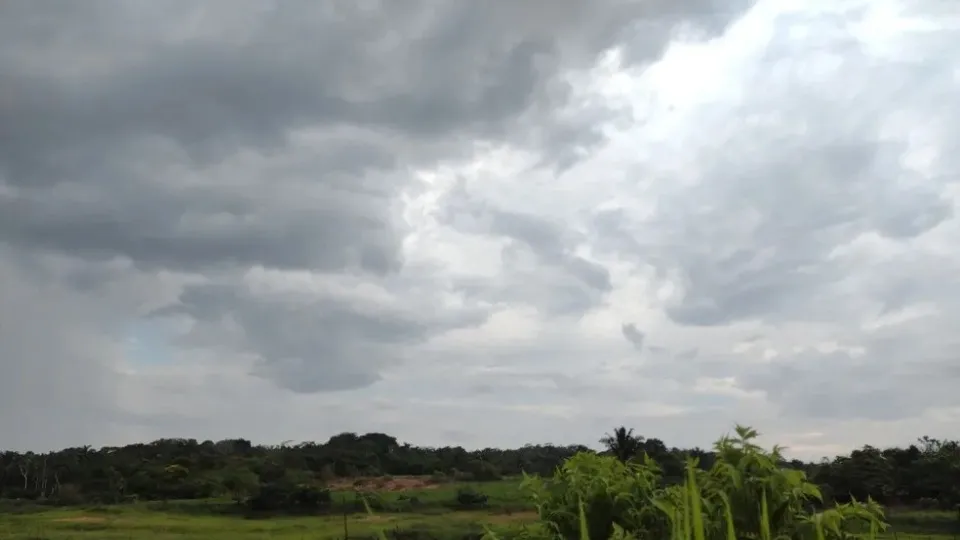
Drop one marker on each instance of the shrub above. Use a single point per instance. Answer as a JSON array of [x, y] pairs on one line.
[[607, 491], [328, 473], [69, 494], [407, 503], [286, 497], [485, 472], [467, 497], [744, 494]]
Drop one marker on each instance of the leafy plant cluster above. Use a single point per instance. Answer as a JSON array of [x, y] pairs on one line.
[[745, 493]]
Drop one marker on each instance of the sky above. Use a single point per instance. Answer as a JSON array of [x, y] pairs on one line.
[[479, 223]]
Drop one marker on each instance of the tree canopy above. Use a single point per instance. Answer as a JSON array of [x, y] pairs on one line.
[[926, 473]]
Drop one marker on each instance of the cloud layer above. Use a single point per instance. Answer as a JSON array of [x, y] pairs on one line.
[[284, 221]]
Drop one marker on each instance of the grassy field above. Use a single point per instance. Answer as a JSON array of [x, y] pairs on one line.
[[136, 522], [930, 524], [435, 516]]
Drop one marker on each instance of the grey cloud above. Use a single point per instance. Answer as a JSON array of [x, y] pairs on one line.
[[100, 128], [685, 367], [550, 243], [311, 343], [836, 385], [336, 334], [229, 74], [633, 335], [784, 177], [542, 268], [59, 351], [159, 226], [227, 136], [247, 81], [145, 143], [891, 373]]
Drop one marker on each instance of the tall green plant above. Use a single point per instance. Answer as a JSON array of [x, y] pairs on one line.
[[610, 494], [744, 494]]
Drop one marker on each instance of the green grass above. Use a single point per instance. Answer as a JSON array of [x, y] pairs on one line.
[[502, 495], [916, 536], [138, 521], [506, 513], [143, 521], [916, 524]]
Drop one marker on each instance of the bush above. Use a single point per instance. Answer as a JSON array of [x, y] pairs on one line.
[[483, 471], [744, 494], [464, 476], [470, 498], [70, 495], [406, 503], [328, 473], [284, 497]]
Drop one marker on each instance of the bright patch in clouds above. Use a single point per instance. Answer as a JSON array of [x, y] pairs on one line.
[[669, 216]]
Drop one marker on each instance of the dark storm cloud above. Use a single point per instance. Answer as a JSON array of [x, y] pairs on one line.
[[123, 90], [141, 140], [312, 342]]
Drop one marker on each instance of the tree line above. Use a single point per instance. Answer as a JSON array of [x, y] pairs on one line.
[[926, 473]]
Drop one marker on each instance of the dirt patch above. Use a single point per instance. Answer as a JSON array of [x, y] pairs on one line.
[[385, 483], [81, 519]]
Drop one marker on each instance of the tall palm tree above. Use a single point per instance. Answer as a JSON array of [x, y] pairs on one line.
[[623, 444]]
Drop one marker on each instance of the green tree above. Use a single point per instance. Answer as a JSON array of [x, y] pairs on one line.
[[623, 444]]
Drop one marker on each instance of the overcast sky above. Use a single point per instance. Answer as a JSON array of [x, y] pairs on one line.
[[483, 223]]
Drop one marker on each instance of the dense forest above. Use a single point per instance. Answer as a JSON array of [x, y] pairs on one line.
[[925, 474]]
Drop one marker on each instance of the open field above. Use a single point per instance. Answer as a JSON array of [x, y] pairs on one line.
[[142, 521], [398, 492], [436, 516], [137, 521]]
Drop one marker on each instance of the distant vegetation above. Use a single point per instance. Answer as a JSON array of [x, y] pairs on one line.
[[637, 488]]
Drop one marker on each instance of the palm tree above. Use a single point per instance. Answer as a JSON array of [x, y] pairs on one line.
[[623, 444]]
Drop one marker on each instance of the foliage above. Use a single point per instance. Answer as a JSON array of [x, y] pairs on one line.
[[609, 493], [925, 474], [746, 493], [470, 498], [623, 444], [283, 496], [170, 469]]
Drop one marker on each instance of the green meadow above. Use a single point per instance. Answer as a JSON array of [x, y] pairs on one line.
[[506, 512]]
